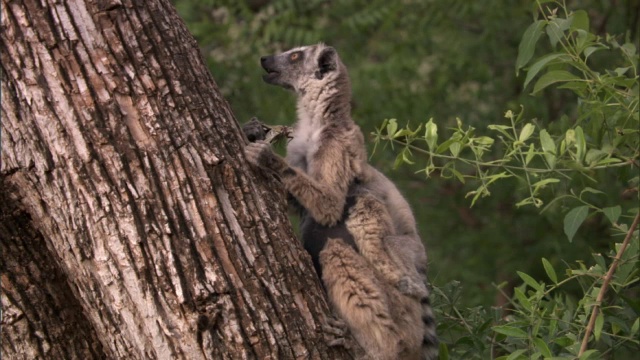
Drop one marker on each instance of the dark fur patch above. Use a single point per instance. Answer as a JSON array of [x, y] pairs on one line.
[[428, 320], [326, 62], [288, 172], [430, 341], [315, 235]]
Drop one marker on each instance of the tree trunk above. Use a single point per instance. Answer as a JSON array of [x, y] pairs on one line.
[[131, 226], [40, 315]]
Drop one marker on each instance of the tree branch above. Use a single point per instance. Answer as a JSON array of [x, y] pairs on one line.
[[605, 285]]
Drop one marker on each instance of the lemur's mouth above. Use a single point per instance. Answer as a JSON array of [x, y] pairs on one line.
[[268, 63], [270, 76]]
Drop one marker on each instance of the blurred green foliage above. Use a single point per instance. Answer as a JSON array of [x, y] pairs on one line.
[[461, 62]]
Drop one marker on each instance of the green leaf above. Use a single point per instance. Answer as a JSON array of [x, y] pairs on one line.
[[556, 28], [578, 87], [542, 347], [530, 154], [492, 178], [526, 132], [455, 148], [548, 268], [621, 71], [392, 127], [502, 129], [549, 148], [570, 137], [590, 190], [450, 167], [629, 49], [628, 263], [597, 330], [510, 331], [516, 354], [458, 175], [615, 328], [635, 326], [484, 140], [529, 280], [583, 39], [580, 20], [564, 341], [574, 219], [608, 161], [540, 64], [553, 77], [547, 143], [447, 143], [403, 132], [587, 354], [542, 183], [612, 213], [522, 298], [581, 145], [528, 43], [406, 156], [398, 161], [591, 49], [431, 134], [443, 351], [594, 156], [526, 201]]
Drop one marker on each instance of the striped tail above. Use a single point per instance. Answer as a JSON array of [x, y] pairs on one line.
[[430, 343]]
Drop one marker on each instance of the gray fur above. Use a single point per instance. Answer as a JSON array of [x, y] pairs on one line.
[[379, 289]]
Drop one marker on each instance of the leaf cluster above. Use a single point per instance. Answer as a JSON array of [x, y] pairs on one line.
[[565, 163]]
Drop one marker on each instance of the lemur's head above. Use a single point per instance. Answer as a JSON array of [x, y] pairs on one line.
[[301, 67]]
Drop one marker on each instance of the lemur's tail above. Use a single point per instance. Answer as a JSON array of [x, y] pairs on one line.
[[430, 343]]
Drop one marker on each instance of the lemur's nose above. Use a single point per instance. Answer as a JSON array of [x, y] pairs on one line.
[[263, 59]]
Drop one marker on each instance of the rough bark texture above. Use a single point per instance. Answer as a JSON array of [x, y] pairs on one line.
[[119, 151], [41, 317]]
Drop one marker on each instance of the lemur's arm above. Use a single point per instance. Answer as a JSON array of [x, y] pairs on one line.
[[323, 191]]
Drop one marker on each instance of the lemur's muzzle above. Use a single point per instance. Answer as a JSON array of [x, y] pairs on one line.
[[268, 63]]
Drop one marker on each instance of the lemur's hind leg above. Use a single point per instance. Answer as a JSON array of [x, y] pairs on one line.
[[370, 224], [360, 299]]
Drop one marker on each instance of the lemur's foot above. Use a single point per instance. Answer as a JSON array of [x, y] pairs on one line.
[[336, 331]]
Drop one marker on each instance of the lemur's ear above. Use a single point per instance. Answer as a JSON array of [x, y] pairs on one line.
[[327, 62]]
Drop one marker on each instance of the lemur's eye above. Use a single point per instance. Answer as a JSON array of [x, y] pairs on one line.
[[294, 56]]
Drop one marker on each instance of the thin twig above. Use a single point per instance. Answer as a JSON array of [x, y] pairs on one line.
[[500, 162], [605, 284]]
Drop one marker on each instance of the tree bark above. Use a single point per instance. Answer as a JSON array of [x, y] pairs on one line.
[[41, 317], [131, 226]]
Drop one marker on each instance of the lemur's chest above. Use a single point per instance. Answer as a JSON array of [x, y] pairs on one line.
[[304, 145]]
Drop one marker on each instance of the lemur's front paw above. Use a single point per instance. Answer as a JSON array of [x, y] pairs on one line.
[[259, 153], [255, 130]]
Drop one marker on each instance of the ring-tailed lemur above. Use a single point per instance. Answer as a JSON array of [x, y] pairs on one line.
[[356, 224]]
